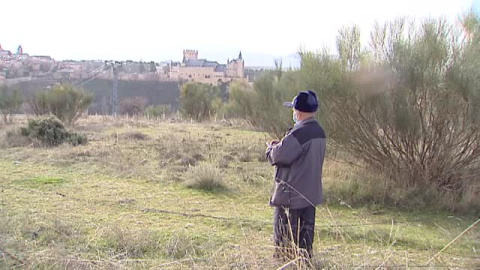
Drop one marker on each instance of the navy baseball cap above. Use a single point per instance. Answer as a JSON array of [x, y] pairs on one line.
[[305, 101]]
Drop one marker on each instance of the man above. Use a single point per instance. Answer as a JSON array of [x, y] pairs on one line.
[[298, 160]]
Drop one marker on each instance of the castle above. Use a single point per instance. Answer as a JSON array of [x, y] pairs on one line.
[[201, 70]]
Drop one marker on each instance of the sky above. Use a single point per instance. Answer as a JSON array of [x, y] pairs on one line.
[[150, 30]]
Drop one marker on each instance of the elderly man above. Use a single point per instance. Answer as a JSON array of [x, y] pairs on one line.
[[298, 160]]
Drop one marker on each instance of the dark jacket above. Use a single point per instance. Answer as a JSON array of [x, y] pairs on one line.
[[298, 161]]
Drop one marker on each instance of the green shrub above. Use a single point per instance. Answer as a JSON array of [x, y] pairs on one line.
[[157, 111], [48, 131], [64, 101], [76, 139], [51, 132], [412, 109], [198, 101], [261, 105]]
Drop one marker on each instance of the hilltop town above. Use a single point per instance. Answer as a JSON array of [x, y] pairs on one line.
[[21, 65]]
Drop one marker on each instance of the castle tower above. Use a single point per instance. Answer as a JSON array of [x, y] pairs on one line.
[[236, 67], [19, 50], [240, 66], [190, 54]]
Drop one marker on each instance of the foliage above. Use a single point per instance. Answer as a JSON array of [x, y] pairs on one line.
[[152, 68], [197, 100], [141, 68], [133, 106], [48, 131], [64, 101], [357, 187], [262, 104], [408, 106], [39, 103], [414, 111], [349, 47], [77, 139], [157, 111], [240, 104], [10, 102], [51, 132]]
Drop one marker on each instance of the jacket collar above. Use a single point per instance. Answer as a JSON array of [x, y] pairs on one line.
[[304, 121]]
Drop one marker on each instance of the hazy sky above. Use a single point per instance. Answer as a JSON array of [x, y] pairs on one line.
[[159, 30]]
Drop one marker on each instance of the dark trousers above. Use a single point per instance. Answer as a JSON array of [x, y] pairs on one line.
[[293, 229]]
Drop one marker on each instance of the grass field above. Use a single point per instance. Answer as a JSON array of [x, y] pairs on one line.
[[129, 199]]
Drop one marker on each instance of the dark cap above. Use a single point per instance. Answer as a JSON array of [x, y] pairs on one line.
[[305, 101]]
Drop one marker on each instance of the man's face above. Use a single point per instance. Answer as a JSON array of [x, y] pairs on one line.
[[295, 115]]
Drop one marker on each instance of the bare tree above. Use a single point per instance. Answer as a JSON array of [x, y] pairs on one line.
[[10, 102]]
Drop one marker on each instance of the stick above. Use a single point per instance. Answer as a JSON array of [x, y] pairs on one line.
[[453, 241], [11, 256], [288, 264]]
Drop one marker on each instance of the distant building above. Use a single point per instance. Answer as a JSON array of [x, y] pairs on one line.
[[21, 64], [4, 53], [42, 57], [201, 70]]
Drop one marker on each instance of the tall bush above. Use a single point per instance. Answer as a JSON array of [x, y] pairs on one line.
[[197, 100], [64, 101], [39, 103], [262, 103], [133, 106], [156, 111], [10, 102], [407, 106], [415, 110]]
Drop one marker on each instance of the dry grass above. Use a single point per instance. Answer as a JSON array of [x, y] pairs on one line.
[[134, 135], [206, 176], [360, 187], [11, 137], [121, 203]]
